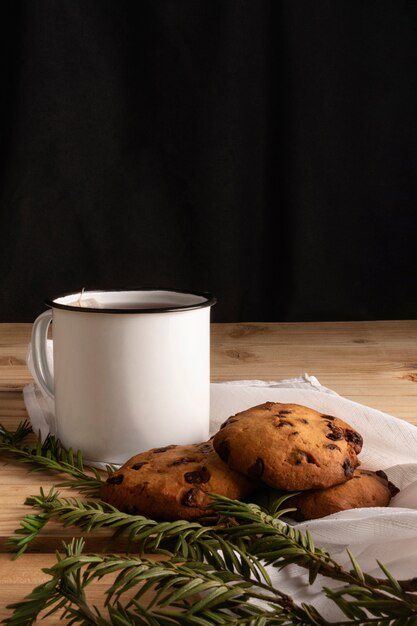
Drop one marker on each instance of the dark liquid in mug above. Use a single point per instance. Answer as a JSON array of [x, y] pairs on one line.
[[141, 305]]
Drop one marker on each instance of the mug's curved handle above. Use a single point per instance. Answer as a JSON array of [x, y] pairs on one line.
[[39, 354]]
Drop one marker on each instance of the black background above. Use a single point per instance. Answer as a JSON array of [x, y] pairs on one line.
[[262, 150]]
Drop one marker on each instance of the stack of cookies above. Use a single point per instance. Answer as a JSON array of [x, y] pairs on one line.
[[286, 446]]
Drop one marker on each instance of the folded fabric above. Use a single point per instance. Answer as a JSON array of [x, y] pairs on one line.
[[387, 534]]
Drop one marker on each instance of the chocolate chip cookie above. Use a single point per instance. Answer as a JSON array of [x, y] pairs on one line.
[[289, 446], [366, 489], [172, 482]]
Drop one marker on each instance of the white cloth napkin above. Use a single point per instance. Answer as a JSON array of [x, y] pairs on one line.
[[388, 534]]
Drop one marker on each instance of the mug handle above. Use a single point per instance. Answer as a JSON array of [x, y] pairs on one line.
[[40, 362]]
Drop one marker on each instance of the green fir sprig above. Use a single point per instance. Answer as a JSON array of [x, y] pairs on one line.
[[212, 572], [158, 593], [50, 455], [14, 438]]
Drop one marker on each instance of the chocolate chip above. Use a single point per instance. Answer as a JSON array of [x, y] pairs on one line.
[[303, 420], [296, 432], [283, 423], [335, 434], [115, 480], [137, 466], [355, 438], [347, 467], [159, 450], [284, 412], [299, 456], [327, 417], [332, 446], [393, 489], [190, 498], [257, 469], [199, 476], [183, 461], [223, 450], [130, 509]]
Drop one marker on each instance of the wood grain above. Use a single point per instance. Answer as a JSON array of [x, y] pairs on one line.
[[374, 363]]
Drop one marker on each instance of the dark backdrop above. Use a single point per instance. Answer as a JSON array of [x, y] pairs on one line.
[[262, 150]]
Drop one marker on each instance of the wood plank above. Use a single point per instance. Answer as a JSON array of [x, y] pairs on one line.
[[14, 340], [374, 363]]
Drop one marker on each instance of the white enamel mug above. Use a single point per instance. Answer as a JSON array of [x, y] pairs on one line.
[[131, 369]]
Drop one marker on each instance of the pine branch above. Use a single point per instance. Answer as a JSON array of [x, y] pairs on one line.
[[268, 539], [51, 456], [56, 595], [15, 438], [235, 548], [158, 593], [91, 516], [190, 540], [173, 593]]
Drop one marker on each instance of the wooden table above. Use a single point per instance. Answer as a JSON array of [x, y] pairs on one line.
[[374, 363]]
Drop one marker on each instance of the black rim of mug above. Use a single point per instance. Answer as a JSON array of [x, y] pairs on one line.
[[209, 301]]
